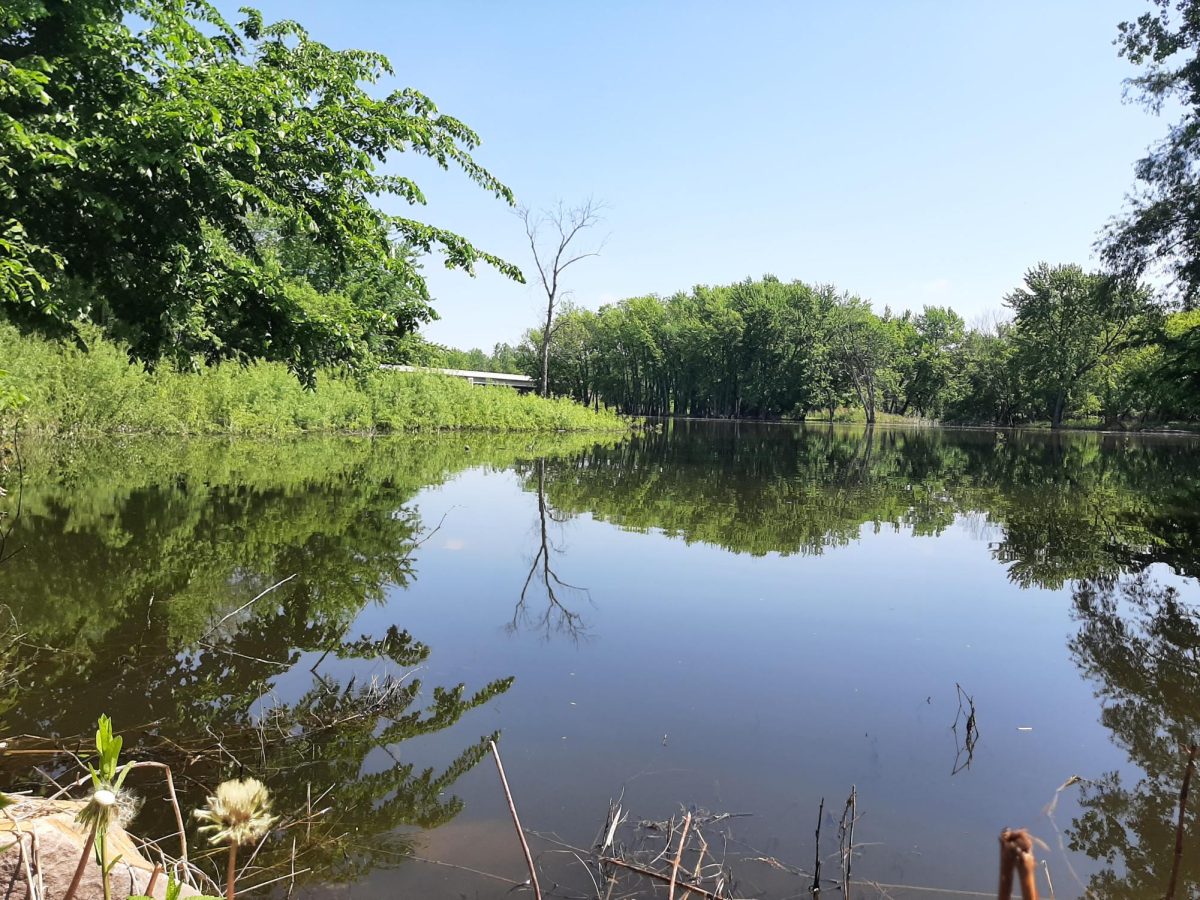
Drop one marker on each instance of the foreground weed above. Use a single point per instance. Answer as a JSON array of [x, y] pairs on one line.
[[102, 807], [238, 813]]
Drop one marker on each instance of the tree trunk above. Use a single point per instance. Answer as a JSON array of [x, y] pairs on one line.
[[546, 349], [1057, 414], [869, 401]]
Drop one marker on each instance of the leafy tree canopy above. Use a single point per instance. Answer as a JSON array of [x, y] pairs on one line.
[[207, 190], [1160, 230], [1068, 322]]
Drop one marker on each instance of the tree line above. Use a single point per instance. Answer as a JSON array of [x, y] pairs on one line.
[[1077, 344], [1098, 345], [204, 189]]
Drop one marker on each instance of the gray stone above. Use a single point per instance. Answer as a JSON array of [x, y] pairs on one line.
[[40, 840]]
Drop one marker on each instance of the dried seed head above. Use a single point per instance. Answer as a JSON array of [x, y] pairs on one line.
[[238, 813], [107, 806]]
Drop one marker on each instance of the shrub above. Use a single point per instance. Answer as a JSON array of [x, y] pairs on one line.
[[97, 390]]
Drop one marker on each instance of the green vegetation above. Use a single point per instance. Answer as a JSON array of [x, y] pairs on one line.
[[98, 391], [503, 358], [1137, 643], [205, 190], [1079, 346], [1160, 230]]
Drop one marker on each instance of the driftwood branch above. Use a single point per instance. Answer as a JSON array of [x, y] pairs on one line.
[[816, 882]]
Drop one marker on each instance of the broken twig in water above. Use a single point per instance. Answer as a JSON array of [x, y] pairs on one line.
[[846, 838], [1062, 847], [1183, 795], [964, 753], [247, 605], [512, 808], [816, 884], [659, 876]]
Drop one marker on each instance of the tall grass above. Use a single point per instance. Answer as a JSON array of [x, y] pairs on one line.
[[98, 391]]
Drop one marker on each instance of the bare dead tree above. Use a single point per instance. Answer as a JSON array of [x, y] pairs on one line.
[[552, 235]]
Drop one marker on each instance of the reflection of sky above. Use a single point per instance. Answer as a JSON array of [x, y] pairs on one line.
[[756, 684]]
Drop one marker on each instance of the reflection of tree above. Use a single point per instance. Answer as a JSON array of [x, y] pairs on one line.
[[134, 557], [556, 617], [202, 713], [1140, 643], [1069, 506]]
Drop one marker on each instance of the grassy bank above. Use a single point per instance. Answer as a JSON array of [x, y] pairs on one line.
[[72, 391]]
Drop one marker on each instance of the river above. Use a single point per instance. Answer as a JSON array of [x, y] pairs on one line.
[[706, 617]]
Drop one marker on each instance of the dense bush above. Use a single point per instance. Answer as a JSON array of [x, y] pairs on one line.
[[97, 390]]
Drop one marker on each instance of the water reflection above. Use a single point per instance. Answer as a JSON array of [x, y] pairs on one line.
[[1139, 642], [139, 563], [204, 596], [560, 614], [1067, 506]]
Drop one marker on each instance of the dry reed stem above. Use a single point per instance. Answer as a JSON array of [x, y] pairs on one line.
[[263, 884], [30, 884], [36, 851], [174, 798], [1183, 796], [153, 879], [687, 823], [512, 808], [1016, 856], [83, 861], [699, 862], [1062, 847], [479, 872]]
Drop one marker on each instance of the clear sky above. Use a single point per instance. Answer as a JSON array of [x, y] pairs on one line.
[[910, 151]]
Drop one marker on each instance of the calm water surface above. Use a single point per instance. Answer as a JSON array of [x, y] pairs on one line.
[[721, 617]]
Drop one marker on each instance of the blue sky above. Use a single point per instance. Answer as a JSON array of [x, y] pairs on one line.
[[912, 152]]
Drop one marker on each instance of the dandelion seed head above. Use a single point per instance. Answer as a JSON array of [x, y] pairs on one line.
[[107, 806], [239, 812]]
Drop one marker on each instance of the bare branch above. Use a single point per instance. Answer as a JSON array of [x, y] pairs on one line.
[[554, 255]]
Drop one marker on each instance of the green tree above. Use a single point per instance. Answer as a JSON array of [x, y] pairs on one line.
[[1160, 229], [864, 345], [1067, 322], [136, 168], [934, 359], [1178, 378]]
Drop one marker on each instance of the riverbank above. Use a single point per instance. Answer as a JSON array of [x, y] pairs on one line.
[[71, 391]]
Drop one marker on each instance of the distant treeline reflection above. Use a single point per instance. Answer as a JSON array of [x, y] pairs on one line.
[[1055, 507]]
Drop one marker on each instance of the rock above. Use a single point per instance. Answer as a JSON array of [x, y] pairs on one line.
[[43, 835]]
